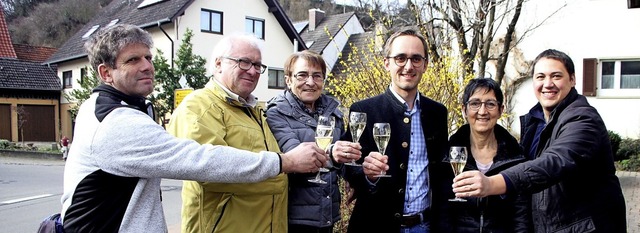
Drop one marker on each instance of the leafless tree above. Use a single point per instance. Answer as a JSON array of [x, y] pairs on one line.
[[23, 118], [468, 26], [471, 26], [478, 32]]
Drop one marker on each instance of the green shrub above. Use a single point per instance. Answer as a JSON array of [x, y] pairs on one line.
[[631, 164], [5, 144], [48, 149], [628, 147], [615, 144]]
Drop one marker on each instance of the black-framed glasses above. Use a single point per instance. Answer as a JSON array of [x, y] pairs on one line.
[[475, 105], [401, 60], [246, 64], [303, 76]]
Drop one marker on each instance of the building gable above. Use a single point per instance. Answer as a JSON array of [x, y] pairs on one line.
[[149, 16], [328, 27], [361, 42]]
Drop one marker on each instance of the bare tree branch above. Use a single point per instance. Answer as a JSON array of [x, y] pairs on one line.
[[502, 59]]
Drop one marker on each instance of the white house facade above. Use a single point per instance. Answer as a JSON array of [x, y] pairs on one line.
[[602, 37], [168, 20], [276, 48]]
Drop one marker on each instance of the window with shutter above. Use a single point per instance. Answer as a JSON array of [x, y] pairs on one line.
[[589, 76], [615, 78]]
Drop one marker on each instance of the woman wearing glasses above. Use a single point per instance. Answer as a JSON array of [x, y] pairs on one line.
[[292, 117], [492, 149]]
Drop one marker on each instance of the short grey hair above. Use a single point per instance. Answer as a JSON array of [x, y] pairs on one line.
[[227, 43], [104, 46]]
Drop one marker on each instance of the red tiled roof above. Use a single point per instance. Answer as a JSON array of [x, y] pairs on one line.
[[6, 47], [33, 53]]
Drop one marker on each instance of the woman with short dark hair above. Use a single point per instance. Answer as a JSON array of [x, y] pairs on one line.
[[491, 149]]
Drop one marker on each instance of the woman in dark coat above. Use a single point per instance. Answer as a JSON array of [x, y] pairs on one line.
[[292, 117], [491, 149]]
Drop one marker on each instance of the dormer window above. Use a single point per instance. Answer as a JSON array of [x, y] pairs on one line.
[[113, 22], [91, 31], [308, 44], [146, 3]]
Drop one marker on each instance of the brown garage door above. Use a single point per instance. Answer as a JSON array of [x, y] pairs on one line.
[[5, 121], [40, 123]]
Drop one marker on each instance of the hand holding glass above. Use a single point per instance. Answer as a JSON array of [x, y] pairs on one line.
[[381, 135], [357, 123], [458, 159], [324, 137]]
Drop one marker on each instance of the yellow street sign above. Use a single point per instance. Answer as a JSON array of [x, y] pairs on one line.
[[179, 95]]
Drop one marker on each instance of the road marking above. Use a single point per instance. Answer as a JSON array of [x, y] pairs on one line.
[[25, 199]]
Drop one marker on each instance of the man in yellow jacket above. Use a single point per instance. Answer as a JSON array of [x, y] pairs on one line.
[[225, 112]]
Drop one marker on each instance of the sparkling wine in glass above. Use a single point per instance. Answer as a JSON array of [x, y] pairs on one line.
[[357, 123], [381, 135], [324, 137], [457, 159]]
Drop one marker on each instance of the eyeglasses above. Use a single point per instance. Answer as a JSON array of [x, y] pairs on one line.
[[303, 76], [475, 105], [401, 60], [246, 64]]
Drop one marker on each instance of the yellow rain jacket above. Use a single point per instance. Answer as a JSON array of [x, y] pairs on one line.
[[211, 115]]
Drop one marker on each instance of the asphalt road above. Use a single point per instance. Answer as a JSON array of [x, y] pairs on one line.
[[30, 190]]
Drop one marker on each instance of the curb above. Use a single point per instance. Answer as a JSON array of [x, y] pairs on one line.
[[30, 154]]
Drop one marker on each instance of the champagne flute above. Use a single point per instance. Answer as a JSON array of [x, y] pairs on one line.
[[324, 137], [324, 134], [357, 123], [457, 159], [381, 135]]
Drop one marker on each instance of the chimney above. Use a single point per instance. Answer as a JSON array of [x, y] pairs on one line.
[[380, 36], [315, 17]]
